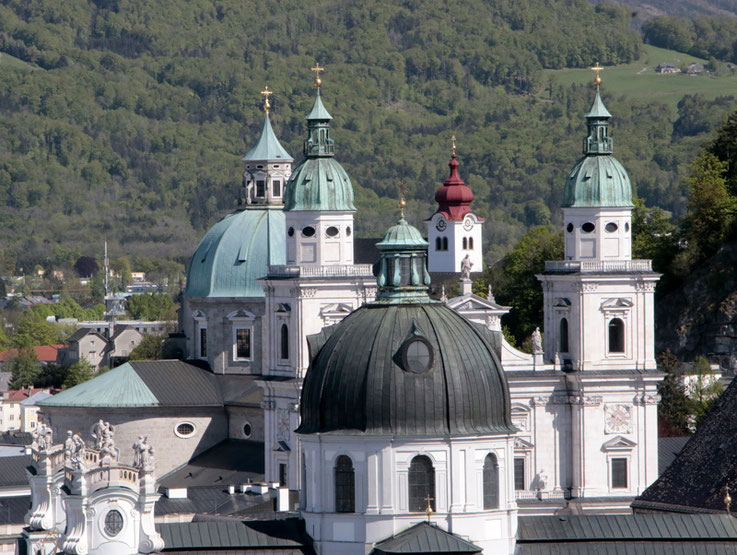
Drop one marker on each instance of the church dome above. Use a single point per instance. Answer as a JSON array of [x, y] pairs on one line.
[[320, 182], [235, 253], [597, 181], [454, 198], [405, 365]]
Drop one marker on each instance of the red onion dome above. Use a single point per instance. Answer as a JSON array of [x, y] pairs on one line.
[[454, 197]]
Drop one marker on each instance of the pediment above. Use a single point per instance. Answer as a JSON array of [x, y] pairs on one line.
[[617, 303], [283, 307], [521, 444], [618, 443], [336, 308], [562, 302], [199, 315], [471, 303], [241, 314]]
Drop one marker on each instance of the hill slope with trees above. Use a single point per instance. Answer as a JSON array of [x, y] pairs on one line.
[[126, 120]]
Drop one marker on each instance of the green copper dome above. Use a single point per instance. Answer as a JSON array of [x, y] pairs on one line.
[[236, 252], [597, 179], [320, 182], [268, 146]]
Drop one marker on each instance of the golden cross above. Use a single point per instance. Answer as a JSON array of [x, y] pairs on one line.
[[267, 93], [402, 188], [317, 69], [429, 507], [597, 68], [727, 499], [453, 144]]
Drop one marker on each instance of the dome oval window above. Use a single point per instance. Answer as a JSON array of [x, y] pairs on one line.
[[184, 430], [627, 227], [348, 231], [308, 231], [569, 228], [332, 231], [290, 232], [611, 227], [588, 227], [247, 430], [417, 355], [113, 523]]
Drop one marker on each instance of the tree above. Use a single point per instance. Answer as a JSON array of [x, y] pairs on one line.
[[703, 390], [148, 349], [86, 266], [79, 372], [25, 369], [654, 236], [150, 306], [35, 330], [673, 409]]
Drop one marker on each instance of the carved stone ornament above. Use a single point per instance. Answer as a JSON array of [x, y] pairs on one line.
[[309, 292], [645, 399], [617, 419], [589, 287], [282, 424], [585, 400], [539, 401], [645, 286]]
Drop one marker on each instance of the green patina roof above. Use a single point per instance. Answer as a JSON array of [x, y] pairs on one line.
[[597, 181], [402, 235], [120, 387], [598, 110], [144, 383], [319, 184], [268, 146], [236, 252], [319, 112]]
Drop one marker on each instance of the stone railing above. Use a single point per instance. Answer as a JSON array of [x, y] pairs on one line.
[[105, 476], [349, 270], [598, 266]]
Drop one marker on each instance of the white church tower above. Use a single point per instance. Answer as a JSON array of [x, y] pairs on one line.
[[598, 321], [454, 231]]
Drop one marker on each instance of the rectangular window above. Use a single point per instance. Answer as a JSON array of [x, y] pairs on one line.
[[276, 187], [243, 343], [260, 188], [519, 473], [619, 473], [282, 474], [203, 342]]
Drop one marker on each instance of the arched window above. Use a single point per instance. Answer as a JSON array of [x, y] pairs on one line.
[[465, 244], [616, 335], [491, 482], [445, 243], [345, 485], [563, 335], [284, 342], [421, 484], [438, 243], [470, 243]]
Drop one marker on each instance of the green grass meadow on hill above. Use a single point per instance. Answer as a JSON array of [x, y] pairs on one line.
[[639, 80]]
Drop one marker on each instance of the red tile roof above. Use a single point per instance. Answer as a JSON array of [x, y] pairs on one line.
[[44, 353], [21, 394]]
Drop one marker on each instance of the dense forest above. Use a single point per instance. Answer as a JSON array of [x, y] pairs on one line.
[[704, 37], [126, 120]]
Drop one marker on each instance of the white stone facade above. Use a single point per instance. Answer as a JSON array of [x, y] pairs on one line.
[[451, 240], [319, 238], [381, 469], [265, 181]]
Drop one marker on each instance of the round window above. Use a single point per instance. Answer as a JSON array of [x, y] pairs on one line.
[[348, 231], [569, 228], [611, 227], [185, 429], [290, 232], [308, 231], [332, 231], [247, 430], [627, 226], [417, 356], [113, 522], [588, 227]]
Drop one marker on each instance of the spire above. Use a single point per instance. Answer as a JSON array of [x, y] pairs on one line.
[[403, 276], [597, 121], [454, 197], [318, 143], [268, 146]]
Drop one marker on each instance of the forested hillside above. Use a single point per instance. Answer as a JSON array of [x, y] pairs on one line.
[[127, 119]]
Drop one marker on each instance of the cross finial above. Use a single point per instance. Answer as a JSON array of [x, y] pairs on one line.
[[597, 68], [266, 94], [428, 511], [402, 188], [317, 69], [453, 144], [727, 498]]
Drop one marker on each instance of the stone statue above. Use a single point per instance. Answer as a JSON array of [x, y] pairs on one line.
[[466, 265], [68, 447], [77, 454], [137, 448], [109, 453], [44, 437], [102, 432], [537, 341], [490, 295], [542, 480], [143, 457], [443, 296]]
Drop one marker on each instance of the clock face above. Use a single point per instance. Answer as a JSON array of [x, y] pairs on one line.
[[467, 224], [441, 225]]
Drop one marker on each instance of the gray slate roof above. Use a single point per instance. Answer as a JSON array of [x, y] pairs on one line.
[[627, 534], [13, 471], [696, 480], [14, 509], [230, 462], [424, 538], [16, 438], [668, 449], [358, 382], [235, 535]]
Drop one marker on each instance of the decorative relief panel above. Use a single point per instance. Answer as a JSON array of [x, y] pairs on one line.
[[282, 424], [645, 399], [617, 419]]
